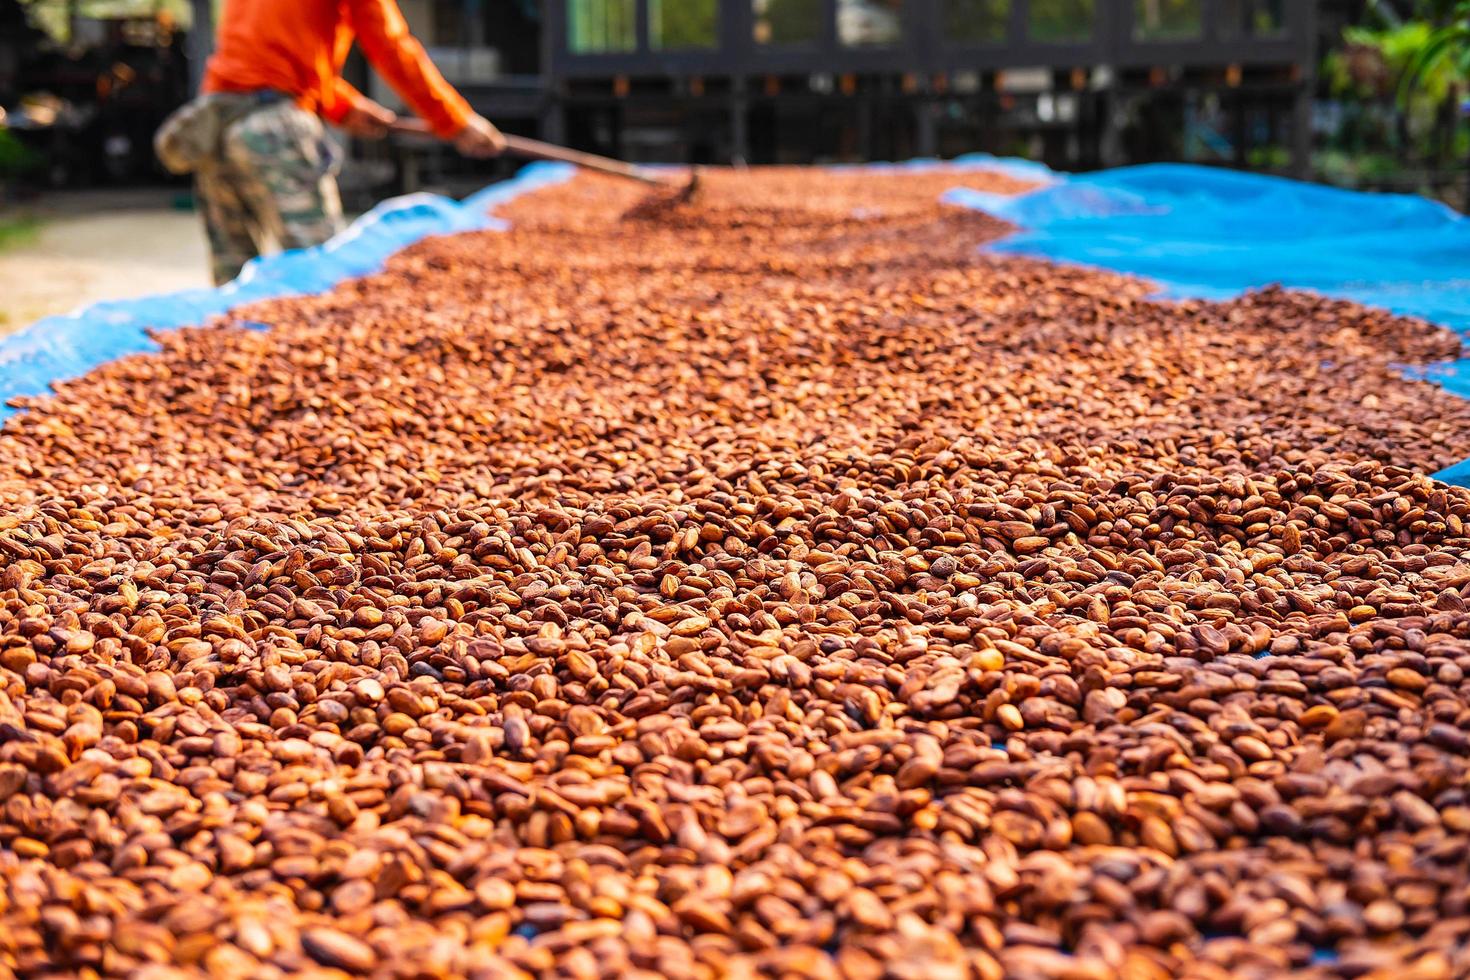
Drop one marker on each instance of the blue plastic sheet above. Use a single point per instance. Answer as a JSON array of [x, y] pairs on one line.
[[1211, 234], [1196, 231], [63, 347]]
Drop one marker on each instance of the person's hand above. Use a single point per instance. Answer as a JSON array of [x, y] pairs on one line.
[[368, 120], [480, 138]]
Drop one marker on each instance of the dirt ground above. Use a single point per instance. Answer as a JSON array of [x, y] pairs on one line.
[[92, 246]]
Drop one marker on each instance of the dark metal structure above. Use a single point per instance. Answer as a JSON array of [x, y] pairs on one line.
[[1104, 32], [1077, 83], [936, 76]]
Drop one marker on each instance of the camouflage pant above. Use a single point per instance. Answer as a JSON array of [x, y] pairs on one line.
[[273, 179]]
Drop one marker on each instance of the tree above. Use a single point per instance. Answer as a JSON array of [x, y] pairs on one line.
[[1443, 59], [1444, 52], [1417, 51]]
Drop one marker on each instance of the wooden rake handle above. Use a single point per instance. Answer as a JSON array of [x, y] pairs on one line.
[[536, 150]]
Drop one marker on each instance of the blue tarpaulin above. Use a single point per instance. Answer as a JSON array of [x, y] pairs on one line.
[[59, 348], [1196, 231], [1206, 233], [63, 347]]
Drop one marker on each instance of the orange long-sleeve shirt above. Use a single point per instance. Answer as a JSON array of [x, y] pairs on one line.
[[297, 47]]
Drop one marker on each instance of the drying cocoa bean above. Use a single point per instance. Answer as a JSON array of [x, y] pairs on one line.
[[772, 584]]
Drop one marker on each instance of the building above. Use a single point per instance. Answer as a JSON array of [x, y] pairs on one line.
[[1076, 83]]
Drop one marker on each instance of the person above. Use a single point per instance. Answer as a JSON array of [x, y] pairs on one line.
[[254, 139]]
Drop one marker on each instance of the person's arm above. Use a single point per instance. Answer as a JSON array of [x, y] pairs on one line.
[[402, 61], [341, 99], [359, 115]]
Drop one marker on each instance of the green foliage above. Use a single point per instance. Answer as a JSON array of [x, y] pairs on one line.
[[1428, 56], [610, 25], [792, 21], [1372, 60], [16, 159], [1269, 157], [976, 20], [1400, 80], [1061, 20], [1442, 56], [1261, 18], [17, 231], [1358, 168], [601, 25], [53, 16], [1167, 18], [676, 24]]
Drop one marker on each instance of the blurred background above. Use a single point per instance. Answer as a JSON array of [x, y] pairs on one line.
[[1316, 89]]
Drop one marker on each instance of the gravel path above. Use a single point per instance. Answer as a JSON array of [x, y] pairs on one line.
[[97, 246]]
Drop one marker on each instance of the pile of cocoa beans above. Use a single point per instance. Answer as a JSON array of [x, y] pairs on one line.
[[775, 584]]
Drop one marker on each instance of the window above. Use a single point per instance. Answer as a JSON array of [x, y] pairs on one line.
[[601, 26], [862, 23], [676, 24], [787, 21], [1060, 21], [976, 21], [1255, 17], [1156, 19]]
